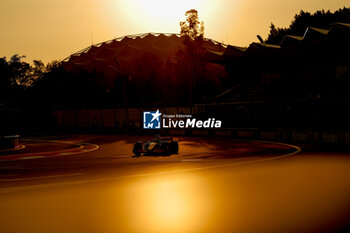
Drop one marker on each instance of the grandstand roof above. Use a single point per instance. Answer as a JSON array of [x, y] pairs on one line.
[[136, 41], [122, 51], [312, 34]]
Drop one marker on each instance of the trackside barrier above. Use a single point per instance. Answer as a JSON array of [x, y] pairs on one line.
[[95, 120], [223, 133], [134, 115], [248, 133], [119, 117], [69, 119], [330, 137], [268, 135], [171, 111], [346, 138], [184, 110], [108, 118], [58, 117], [177, 131], [130, 121], [300, 136], [9, 142], [197, 132], [82, 117]]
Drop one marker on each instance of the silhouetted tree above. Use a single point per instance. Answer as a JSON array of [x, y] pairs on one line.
[[192, 27], [191, 60], [19, 70], [5, 80], [14, 75], [276, 34]]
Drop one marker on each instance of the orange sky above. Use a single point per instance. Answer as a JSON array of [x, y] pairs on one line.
[[53, 29]]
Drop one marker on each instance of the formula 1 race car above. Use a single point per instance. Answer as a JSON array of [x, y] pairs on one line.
[[159, 145]]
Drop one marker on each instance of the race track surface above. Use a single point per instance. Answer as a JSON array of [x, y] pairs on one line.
[[91, 183]]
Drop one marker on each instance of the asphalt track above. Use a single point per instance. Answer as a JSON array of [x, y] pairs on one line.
[[92, 183]]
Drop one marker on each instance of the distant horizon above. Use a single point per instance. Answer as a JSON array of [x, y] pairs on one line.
[[54, 30]]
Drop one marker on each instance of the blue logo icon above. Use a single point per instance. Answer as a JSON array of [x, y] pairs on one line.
[[151, 120]]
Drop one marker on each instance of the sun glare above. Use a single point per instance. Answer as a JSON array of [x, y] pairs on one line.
[[153, 13], [166, 9], [167, 204]]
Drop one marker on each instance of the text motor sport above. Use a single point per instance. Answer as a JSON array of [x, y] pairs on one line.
[[154, 120]]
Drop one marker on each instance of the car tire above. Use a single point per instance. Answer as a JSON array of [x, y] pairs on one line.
[[137, 148], [174, 147]]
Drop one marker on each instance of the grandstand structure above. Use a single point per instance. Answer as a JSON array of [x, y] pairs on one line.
[[141, 70], [302, 82], [110, 57], [135, 37]]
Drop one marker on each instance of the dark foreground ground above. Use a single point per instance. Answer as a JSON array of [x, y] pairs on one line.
[[92, 183]]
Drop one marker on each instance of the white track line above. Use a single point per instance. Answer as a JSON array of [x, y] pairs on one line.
[[42, 177], [79, 182], [9, 167]]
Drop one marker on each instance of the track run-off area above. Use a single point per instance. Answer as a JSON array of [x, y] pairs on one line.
[[93, 183]]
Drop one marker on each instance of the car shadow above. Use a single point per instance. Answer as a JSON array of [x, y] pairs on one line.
[[154, 155]]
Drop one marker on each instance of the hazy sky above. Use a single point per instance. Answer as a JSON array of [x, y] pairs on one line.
[[54, 29]]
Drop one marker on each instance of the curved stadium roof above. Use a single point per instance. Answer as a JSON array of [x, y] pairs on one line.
[[137, 42], [118, 55]]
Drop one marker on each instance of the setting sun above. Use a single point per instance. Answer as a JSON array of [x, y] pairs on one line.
[[160, 12]]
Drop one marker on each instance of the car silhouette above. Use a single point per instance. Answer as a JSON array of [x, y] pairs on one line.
[[157, 146]]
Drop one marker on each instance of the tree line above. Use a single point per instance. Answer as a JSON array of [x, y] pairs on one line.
[[18, 76], [320, 19]]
